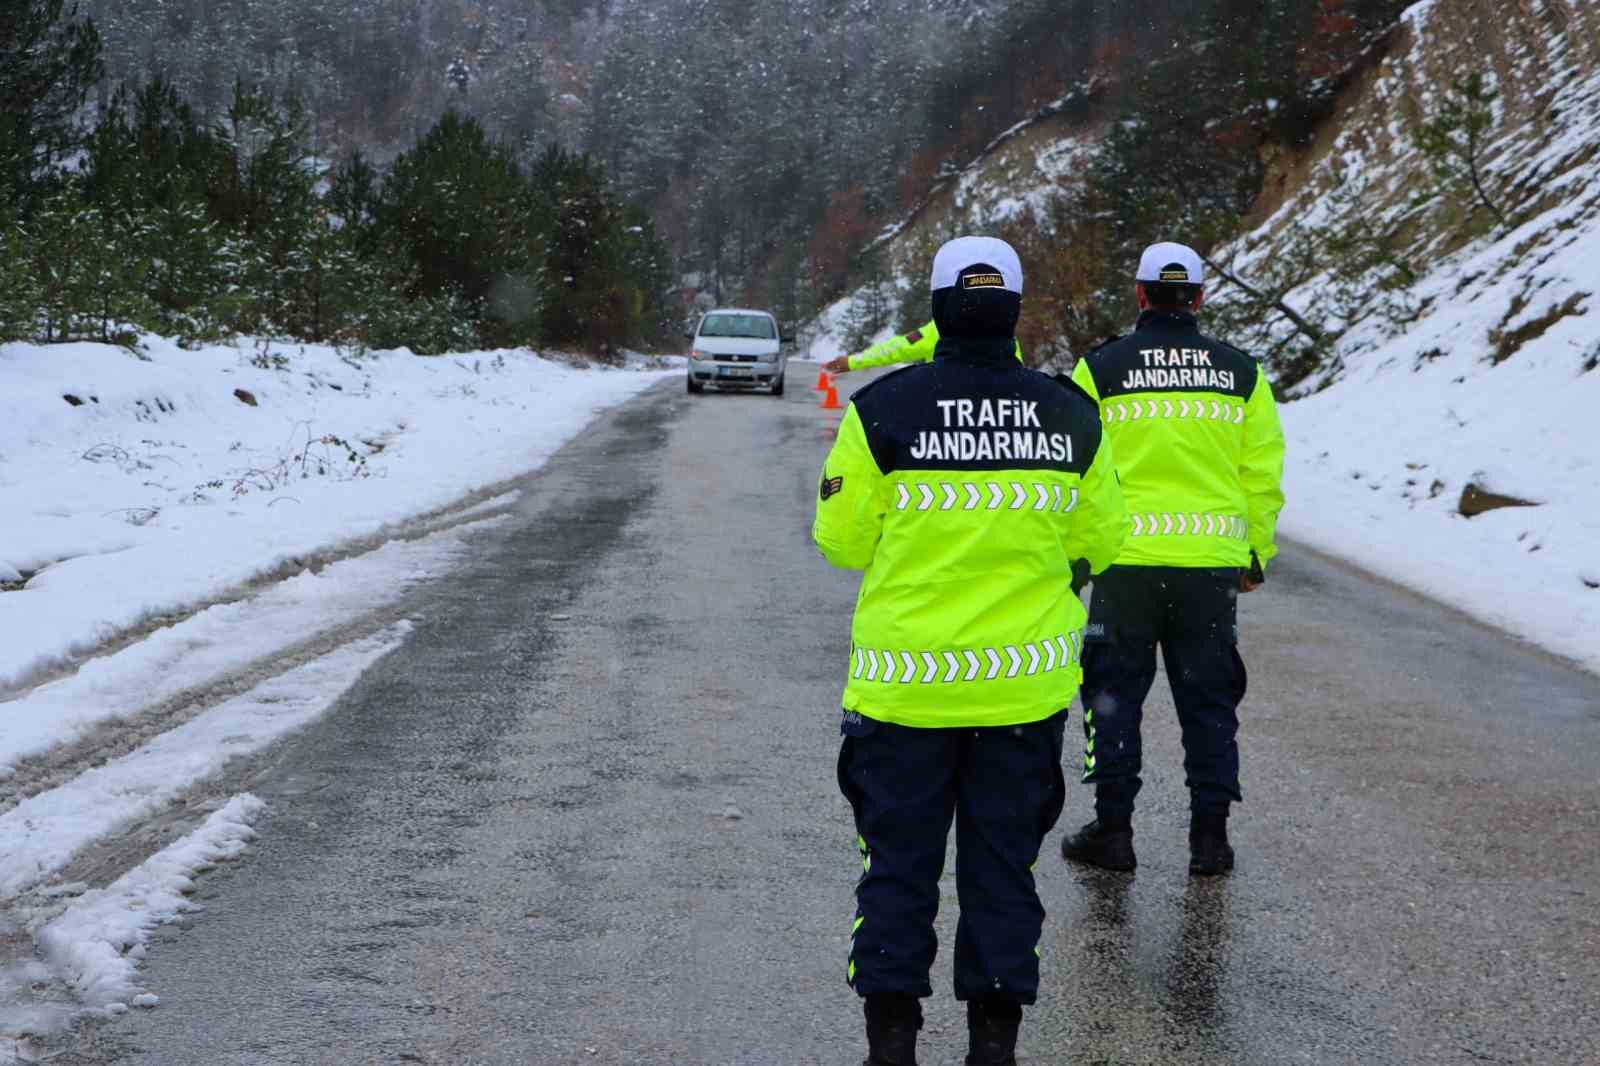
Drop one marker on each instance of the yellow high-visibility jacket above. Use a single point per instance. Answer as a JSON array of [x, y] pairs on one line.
[[966, 489], [1198, 443]]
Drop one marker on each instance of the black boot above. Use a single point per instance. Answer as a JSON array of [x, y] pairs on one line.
[[1104, 842], [992, 1026], [892, 1024], [1209, 851]]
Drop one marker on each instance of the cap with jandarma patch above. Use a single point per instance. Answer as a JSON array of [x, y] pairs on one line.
[[976, 288], [952, 265], [1171, 263]]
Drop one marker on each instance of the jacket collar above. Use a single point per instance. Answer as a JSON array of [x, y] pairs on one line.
[[1168, 321], [983, 351]]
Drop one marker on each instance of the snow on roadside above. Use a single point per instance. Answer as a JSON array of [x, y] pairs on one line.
[[1493, 386], [826, 334], [98, 942], [221, 640], [140, 487], [41, 834], [1378, 461]]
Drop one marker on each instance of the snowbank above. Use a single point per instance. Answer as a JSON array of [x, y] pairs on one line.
[[1492, 386], [222, 642], [100, 939], [136, 488], [42, 833], [1378, 462]]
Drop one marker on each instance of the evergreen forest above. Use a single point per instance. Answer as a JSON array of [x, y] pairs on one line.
[[444, 172]]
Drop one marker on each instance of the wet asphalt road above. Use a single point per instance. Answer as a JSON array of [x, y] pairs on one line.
[[588, 815]]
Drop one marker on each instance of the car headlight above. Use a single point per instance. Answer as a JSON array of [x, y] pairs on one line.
[[695, 353]]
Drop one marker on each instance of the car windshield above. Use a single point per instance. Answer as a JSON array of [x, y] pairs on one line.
[[755, 327]]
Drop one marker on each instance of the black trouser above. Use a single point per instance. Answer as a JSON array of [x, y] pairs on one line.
[[1192, 614], [1004, 790]]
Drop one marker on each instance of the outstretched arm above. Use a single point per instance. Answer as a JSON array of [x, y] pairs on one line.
[[914, 347]]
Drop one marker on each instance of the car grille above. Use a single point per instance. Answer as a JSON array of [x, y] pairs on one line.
[[737, 358]]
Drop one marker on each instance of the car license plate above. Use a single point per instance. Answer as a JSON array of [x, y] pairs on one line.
[[735, 372]]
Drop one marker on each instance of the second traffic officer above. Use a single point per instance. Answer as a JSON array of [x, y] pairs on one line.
[[1200, 453]]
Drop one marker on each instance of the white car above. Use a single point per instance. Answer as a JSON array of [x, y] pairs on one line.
[[736, 348]]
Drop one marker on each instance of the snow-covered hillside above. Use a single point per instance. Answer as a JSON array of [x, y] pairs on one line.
[[1483, 382], [1491, 387], [1012, 181]]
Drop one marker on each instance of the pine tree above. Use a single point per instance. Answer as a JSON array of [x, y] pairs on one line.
[[49, 60], [451, 208], [20, 292], [1454, 138], [89, 271]]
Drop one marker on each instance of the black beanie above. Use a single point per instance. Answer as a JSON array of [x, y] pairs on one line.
[[977, 305]]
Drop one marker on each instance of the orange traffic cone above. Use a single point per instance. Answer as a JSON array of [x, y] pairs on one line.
[[830, 399], [824, 380]]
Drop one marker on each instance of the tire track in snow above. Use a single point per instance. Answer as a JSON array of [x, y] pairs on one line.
[[119, 731], [487, 502]]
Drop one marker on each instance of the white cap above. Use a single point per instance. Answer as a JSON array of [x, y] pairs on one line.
[[1168, 261], [963, 252]]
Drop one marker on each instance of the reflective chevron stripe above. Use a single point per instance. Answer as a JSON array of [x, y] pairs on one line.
[[899, 667], [1190, 524], [1135, 410], [1088, 741], [986, 496]]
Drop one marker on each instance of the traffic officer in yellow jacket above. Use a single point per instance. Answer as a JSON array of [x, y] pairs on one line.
[[1200, 454], [970, 490], [915, 347]]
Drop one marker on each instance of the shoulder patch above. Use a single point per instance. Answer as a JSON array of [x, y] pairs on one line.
[[831, 486], [914, 337]]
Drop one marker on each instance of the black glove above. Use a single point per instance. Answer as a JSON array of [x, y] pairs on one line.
[[1080, 575]]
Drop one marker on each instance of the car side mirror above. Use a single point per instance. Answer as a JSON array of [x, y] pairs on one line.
[[786, 340], [689, 336]]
